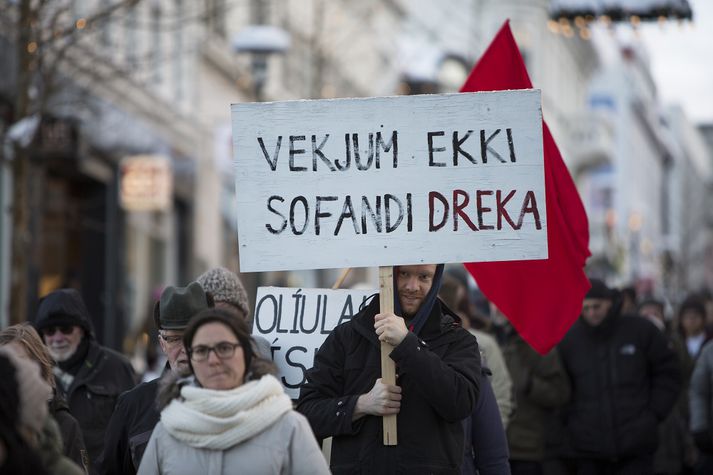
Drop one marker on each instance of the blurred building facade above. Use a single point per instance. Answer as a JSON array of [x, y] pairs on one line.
[[128, 87], [690, 207], [156, 79], [644, 175]]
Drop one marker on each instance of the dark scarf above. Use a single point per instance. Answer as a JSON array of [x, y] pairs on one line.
[[74, 363], [416, 323]]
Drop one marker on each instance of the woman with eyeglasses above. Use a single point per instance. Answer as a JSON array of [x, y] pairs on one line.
[[231, 415]]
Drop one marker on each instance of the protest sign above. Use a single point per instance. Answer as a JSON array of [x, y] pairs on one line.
[[297, 321], [388, 181]]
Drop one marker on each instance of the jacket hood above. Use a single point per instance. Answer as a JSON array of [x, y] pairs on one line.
[[419, 320], [64, 307], [606, 326]]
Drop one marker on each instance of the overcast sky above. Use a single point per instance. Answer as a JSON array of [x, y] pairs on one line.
[[682, 61]]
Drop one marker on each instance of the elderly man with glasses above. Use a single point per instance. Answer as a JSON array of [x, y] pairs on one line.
[[89, 377], [136, 414]]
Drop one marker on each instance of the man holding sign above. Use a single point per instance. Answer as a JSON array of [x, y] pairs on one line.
[[437, 366]]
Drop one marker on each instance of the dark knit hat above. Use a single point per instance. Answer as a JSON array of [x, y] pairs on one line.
[[178, 304], [599, 290], [225, 286]]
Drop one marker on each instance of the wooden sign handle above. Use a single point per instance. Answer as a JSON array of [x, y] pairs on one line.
[[388, 367]]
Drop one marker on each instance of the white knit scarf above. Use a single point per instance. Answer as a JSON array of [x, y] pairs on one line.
[[220, 419]]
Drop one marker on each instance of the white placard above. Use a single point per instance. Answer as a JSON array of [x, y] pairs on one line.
[[389, 181], [297, 321]]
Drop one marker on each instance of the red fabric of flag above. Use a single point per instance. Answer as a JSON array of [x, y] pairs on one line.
[[541, 298]]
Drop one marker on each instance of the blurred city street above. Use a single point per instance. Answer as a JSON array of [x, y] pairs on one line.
[[116, 167]]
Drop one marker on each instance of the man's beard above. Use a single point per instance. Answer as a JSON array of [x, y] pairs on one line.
[[61, 354]]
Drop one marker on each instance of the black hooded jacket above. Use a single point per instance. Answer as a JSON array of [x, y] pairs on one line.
[[72, 439], [101, 377], [625, 380], [130, 428], [439, 373]]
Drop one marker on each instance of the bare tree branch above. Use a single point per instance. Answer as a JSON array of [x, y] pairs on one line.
[[96, 18]]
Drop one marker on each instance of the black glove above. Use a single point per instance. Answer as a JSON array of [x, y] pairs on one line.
[[703, 441]]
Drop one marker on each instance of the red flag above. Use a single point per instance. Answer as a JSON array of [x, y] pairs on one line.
[[542, 298]]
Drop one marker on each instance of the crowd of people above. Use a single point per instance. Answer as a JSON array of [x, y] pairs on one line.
[[629, 390]]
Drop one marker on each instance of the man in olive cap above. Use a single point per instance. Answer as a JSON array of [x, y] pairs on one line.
[[136, 415]]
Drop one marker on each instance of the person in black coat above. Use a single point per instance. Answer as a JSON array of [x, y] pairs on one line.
[[486, 443], [625, 381], [136, 413], [438, 375], [89, 377]]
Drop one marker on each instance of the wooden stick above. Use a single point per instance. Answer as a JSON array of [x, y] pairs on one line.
[[388, 367], [341, 278]]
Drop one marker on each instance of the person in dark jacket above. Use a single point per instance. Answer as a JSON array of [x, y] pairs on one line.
[[676, 452], [701, 403], [89, 376], [486, 445], [438, 374], [136, 413], [541, 386], [28, 344], [625, 381]]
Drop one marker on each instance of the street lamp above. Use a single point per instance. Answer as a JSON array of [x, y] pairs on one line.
[[260, 41]]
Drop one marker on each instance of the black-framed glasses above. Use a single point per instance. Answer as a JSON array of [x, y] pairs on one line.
[[223, 350], [65, 329]]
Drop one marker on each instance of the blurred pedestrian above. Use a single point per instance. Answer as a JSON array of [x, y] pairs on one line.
[[26, 343], [676, 451], [229, 294], [231, 415], [89, 376], [541, 387], [692, 328], [455, 295], [486, 447], [625, 381], [628, 300], [701, 407], [39, 442], [136, 412], [654, 310]]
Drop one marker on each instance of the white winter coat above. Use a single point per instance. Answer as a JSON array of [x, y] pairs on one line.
[[286, 447]]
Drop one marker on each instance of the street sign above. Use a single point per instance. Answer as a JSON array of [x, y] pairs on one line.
[[146, 183]]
